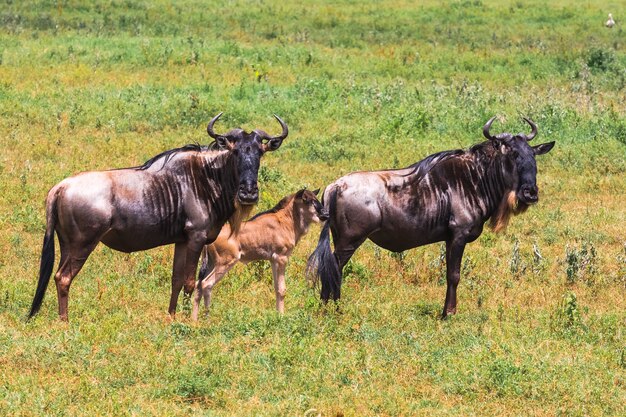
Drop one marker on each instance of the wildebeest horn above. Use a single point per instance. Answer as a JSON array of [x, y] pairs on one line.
[[285, 131], [534, 131], [486, 128], [283, 134], [209, 128]]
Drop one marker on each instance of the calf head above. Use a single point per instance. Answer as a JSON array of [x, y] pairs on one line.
[[309, 206]]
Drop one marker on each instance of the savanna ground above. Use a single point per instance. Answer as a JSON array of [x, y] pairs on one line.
[[362, 85]]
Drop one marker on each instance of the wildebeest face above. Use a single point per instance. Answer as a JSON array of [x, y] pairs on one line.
[[312, 206], [526, 166], [248, 148], [523, 156]]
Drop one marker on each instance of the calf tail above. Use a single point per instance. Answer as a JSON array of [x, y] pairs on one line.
[[322, 265], [47, 255]]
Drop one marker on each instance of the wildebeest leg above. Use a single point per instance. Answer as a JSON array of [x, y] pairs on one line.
[[279, 263], [344, 249], [207, 284], [72, 260], [186, 257], [454, 255], [178, 271], [191, 265]]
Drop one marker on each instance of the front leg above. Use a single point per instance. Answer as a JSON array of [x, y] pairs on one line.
[[279, 264], [178, 271], [186, 256], [454, 255]]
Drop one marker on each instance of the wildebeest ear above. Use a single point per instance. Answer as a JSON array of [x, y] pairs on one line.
[[224, 143], [300, 193], [316, 192], [501, 145], [543, 148], [272, 144]]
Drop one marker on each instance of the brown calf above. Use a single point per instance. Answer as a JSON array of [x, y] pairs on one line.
[[269, 236]]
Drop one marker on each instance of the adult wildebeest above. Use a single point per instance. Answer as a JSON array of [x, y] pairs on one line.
[[447, 197], [271, 236], [182, 196]]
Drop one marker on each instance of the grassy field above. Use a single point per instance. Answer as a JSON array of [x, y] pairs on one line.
[[363, 85]]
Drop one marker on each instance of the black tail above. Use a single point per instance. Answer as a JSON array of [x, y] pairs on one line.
[[47, 259], [322, 265], [206, 267]]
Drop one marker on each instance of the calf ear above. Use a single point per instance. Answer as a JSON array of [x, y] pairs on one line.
[[543, 148]]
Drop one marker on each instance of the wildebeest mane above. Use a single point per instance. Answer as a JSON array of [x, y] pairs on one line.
[[279, 206], [424, 166], [169, 154]]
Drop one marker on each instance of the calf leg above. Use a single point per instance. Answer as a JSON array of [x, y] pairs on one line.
[[206, 285], [279, 263], [454, 255]]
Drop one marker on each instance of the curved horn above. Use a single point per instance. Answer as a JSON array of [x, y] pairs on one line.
[[209, 128], [534, 131], [486, 128], [285, 131]]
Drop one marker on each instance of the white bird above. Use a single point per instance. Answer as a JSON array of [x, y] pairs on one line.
[[610, 23]]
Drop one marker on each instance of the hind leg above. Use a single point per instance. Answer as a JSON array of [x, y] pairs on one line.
[[206, 286], [279, 263], [210, 281], [344, 249], [72, 260]]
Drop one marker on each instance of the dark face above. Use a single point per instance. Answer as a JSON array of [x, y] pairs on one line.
[[316, 209], [248, 151], [524, 157], [248, 148]]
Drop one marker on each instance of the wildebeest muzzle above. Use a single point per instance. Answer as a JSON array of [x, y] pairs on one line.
[[248, 193], [528, 194]]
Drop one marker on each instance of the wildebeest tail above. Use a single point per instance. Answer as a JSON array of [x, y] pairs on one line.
[[322, 265], [47, 255], [206, 266]]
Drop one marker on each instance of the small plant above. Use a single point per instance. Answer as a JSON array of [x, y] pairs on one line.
[[398, 256], [356, 270], [539, 263], [568, 318], [439, 265], [580, 263], [517, 264], [621, 273], [504, 377], [180, 330], [600, 59]]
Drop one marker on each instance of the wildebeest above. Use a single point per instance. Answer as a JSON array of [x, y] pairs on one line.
[[448, 197], [271, 235], [182, 196]]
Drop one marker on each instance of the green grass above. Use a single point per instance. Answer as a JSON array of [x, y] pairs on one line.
[[362, 85]]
